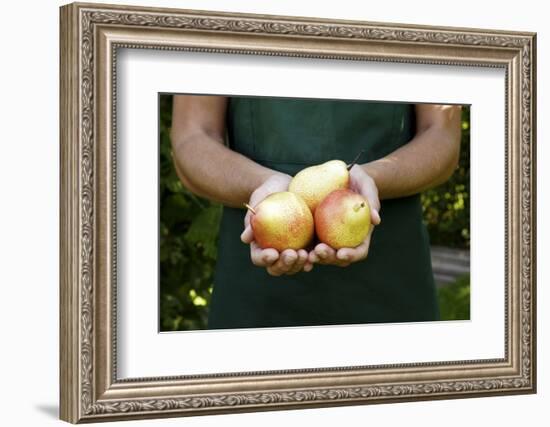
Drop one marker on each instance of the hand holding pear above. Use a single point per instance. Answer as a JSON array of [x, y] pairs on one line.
[[282, 221], [343, 219], [276, 263], [343, 205]]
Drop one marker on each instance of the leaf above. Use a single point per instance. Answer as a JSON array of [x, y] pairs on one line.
[[204, 229]]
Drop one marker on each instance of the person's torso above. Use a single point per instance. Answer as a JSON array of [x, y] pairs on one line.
[[394, 283], [290, 134]]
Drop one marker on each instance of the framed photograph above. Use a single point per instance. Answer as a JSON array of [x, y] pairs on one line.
[[267, 212]]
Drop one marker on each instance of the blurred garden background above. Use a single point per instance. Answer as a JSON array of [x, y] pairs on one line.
[[189, 229]]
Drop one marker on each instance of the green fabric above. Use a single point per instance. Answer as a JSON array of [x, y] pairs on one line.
[[394, 284]]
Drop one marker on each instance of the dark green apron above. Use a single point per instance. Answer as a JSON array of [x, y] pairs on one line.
[[394, 284]]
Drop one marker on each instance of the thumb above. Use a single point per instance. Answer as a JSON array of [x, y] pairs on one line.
[[247, 235], [375, 216]]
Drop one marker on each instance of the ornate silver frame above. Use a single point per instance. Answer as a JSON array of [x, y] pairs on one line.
[[90, 36]]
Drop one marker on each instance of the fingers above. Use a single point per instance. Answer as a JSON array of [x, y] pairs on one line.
[[247, 235], [290, 262], [277, 264], [367, 187], [324, 254], [354, 254], [284, 264], [308, 266], [375, 217], [363, 183], [300, 262], [374, 204], [263, 257]]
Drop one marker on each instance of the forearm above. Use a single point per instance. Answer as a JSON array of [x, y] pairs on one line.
[[428, 160], [210, 169]]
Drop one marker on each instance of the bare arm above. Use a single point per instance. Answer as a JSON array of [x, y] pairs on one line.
[[202, 161], [210, 169], [429, 159]]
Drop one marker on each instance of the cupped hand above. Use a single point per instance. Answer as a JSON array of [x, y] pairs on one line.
[[361, 183], [276, 263]]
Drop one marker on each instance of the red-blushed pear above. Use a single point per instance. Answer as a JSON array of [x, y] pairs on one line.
[[282, 221], [342, 219], [314, 183]]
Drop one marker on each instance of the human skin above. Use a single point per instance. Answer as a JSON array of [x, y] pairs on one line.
[[228, 177]]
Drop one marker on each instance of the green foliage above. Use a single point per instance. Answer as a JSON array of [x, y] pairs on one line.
[[188, 234], [189, 229], [454, 300], [447, 207]]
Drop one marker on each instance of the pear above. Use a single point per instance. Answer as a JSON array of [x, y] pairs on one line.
[[342, 220], [314, 183], [282, 221]]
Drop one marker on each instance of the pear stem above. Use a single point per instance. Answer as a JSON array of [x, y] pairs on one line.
[[358, 206], [250, 208], [352, 164]]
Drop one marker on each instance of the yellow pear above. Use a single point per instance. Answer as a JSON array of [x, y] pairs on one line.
[[342, 220], [282, 221], [314, 183]]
